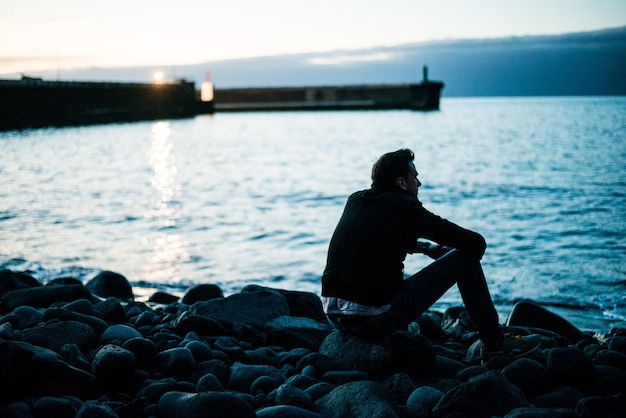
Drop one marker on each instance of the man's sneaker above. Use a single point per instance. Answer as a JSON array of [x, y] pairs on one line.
[[513, 346]]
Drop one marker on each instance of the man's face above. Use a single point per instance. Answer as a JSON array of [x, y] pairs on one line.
[[412, 182]]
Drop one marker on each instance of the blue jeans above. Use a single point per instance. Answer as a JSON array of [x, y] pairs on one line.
[[420, 291]]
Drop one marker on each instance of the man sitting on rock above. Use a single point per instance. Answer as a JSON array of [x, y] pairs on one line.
[[364, 292]]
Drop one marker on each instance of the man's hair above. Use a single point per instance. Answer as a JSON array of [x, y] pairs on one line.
[[389, 167]]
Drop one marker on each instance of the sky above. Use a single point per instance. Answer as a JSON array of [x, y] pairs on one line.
[[40, 35]]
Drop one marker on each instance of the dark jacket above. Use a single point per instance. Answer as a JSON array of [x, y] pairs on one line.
[[376, 231]]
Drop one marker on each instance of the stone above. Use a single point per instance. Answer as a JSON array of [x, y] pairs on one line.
[[10, 280], [64, 314], [530, 412], [202, 292], [411, 352], [175, 362], [602, 406], [571, 367], [110, 284], [187, 322], [243, 375], [209, 383], [487, 395], [112, 362], [426, 396], [143, 349], [27, 316], [42, 296], [292, 332], [48, 406], [26, 369], [118, 333], [528, 375], [96, 409], [529, 314], [287, 394], [354, 353], [301, 304], [256, 309], [162, 298], [54, 335], [364, 399], [204, 404]]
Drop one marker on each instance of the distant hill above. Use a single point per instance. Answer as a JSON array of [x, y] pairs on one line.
[[586, 63]]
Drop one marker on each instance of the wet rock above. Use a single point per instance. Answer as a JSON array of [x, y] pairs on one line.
[[118, 333], [426, 396], [301, 304], [291, 332], [26, 369], [110, 284], [42, 297], [175, 362], [486, 395], [113, 362], [218, 404], [256, 308], [162, 298], [54, 335], [287, 394], [363, 399], [202, 292], [243, 375], [10, 280], [350, 352]]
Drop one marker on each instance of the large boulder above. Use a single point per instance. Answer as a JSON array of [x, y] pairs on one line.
[[354, 353], [42, 296], [26, 369], [292, 332], [485, 395], [110, 284], [254, 308]]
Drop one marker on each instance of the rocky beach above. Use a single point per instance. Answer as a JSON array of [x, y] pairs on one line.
[[73, 349]]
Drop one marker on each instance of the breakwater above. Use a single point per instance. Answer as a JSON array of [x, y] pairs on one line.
[[35, 103], [70, 349]]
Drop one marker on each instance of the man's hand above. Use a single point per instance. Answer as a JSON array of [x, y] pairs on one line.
[[434, 251]]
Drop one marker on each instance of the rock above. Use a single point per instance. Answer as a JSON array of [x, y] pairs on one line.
[[10, 280], [187, 322], [285, 411], [202, 292], [612, 358], [486, 395], [456, 322], [112, 362], [118, 333], [617, 343], [430, 325], [340, 377], [287, 394], [48, 406], [54, 335], [162, 298], [561, 397], [350, 352], [301, 304], [95, 409], [243, 375], [426, 396], [143, 349], [292, 332], [363, 399], [204, 404], [42, 296], [528, 375], [411, 352], [27, 316], [602, 406], [264, 384], [256, 309], [175, 362], [64, 314], [400, 386], [529, 314], [571, 367], [209, 383], [26, 369], [109, 284]]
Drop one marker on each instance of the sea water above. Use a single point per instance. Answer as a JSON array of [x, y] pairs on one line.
[[252, 198]]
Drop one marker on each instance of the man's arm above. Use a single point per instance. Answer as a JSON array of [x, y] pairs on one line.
[[432, 250]]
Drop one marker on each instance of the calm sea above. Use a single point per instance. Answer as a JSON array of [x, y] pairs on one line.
[[241, 198]]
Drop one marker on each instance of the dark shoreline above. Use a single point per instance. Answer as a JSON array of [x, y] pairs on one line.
[[72, 349]]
